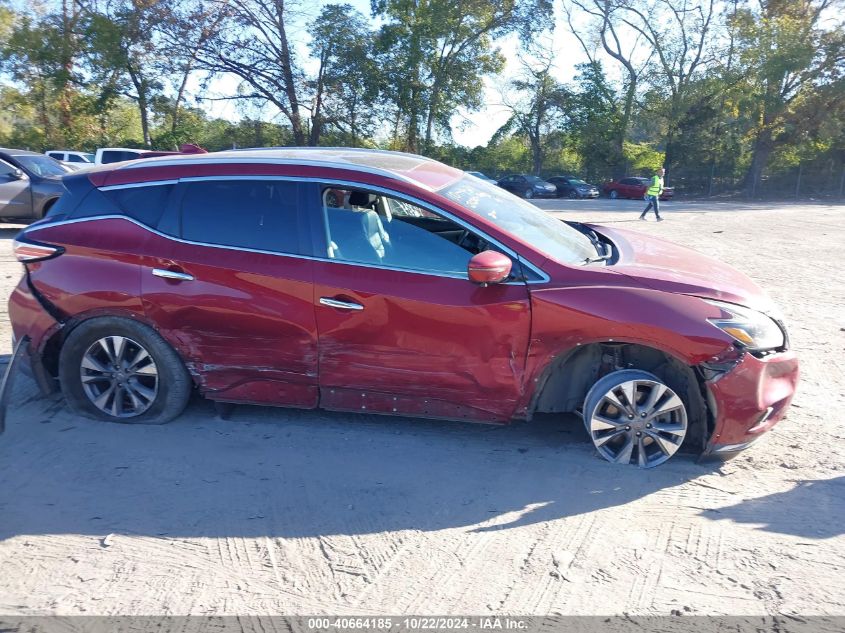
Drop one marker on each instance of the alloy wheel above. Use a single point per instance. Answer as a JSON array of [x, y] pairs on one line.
[[119, 376], [634, 418], [529, 193]]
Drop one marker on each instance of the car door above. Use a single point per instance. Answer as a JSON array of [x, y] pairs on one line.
[[15, 192], [401, 328], [234, 292]]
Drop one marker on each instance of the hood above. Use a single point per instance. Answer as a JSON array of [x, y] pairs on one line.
[[662, 265]]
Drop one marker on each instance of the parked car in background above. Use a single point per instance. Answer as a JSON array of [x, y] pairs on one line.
[[633, 187], [106, 155], [527, 186], [496, 309], [73, 158], [484, 177], [30, 184], [571, 187]]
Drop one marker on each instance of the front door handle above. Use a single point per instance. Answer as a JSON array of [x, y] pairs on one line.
[[343, 305], [172, 274]]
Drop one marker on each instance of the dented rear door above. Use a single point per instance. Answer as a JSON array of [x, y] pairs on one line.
[[232, 291]]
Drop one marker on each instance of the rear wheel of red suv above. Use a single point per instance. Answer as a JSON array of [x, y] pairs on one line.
[[119, 370]]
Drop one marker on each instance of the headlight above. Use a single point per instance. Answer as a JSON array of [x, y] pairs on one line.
[[755, 330]]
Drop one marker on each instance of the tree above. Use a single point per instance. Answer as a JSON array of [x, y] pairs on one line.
[[124, 55], [348, 82], [540, 104], [595, 124], [251, 42], [435, 54], [679, 34], [605, 31], [794, 69], [40, 52]]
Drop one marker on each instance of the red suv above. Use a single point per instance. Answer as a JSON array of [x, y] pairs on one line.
[[372, 281]]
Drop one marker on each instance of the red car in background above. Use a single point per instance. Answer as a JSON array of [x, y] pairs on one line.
[[361, 280], [633, 187]]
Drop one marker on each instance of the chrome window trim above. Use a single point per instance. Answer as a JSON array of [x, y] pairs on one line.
[[132, 185], [544, 278]]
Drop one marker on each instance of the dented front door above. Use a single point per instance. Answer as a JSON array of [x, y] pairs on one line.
[[420, 344]]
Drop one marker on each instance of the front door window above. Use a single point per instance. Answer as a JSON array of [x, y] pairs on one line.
[[371, 228]]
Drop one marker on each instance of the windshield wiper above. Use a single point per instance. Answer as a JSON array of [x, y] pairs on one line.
[[604, 251]]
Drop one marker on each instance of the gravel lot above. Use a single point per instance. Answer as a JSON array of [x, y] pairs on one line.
[[298, 512]]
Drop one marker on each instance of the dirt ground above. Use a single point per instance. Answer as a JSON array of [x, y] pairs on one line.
[[295, 512]]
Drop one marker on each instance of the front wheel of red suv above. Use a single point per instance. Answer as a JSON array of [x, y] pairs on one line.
[[634, 417], [119, 370]]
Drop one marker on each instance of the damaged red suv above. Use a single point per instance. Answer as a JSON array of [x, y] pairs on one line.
[[360, 280]]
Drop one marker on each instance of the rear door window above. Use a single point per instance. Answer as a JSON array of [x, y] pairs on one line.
[[254, 214]]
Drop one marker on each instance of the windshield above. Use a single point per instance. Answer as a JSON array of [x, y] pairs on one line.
[[42, 165], [533, 179], [522, 219], [576, 181]]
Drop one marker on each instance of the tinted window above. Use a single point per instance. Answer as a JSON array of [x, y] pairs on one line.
[[73, 158], [56, 155], [115, 156], [145, 204], [259, 214]]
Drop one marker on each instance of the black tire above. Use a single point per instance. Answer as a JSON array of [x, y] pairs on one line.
[[613, 195], [173, 387], [528, 194], [573, 194]]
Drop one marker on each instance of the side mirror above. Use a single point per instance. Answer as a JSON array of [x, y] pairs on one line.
[[17, 174], [489, 267]]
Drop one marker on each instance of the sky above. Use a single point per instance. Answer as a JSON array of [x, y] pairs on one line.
[[468, 128]]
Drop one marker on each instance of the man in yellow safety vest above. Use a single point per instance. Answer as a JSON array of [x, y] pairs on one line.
[[652, 194]]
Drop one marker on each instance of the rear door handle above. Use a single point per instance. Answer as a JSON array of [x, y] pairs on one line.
[[172, 274], [343, 305]]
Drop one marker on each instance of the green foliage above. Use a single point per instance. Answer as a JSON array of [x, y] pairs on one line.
[[643, 158], [764, 101]]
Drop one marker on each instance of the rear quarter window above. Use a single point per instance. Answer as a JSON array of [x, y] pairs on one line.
[[145, 204]]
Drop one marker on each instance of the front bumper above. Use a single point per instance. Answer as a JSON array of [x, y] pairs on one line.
[[749, 400]]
